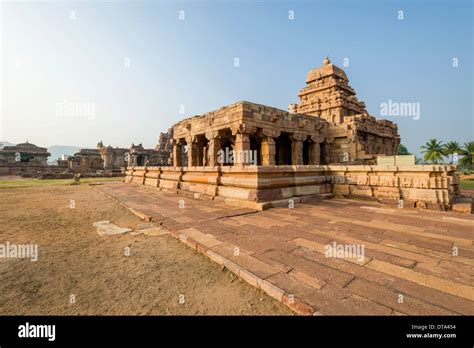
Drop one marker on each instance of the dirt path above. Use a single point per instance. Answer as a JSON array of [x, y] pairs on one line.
[[76, 263]]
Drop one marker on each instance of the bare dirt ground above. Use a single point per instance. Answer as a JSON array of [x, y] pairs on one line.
[[75, 260]]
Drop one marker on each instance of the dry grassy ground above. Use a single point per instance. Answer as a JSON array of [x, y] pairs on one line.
[[75, 260]]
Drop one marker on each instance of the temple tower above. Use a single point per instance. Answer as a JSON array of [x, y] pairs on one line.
[[328, 95]]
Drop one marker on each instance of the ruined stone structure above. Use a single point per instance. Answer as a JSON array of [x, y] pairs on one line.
[[114, 159], [85, 161], [23, 159], [140, 156], [317, 149], [165, 147], [30, 160]]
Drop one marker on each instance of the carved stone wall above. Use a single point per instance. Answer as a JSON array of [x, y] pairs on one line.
[[426, 186], [262, 187]]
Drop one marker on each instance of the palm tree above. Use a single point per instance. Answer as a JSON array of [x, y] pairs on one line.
[[467, 153], [451, 148], [433, 151]]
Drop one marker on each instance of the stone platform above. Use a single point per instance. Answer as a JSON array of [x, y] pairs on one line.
[[415, 262], [263, 187]]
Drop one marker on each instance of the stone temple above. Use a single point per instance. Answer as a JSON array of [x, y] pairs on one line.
[[329, 125], [23, 158], [326, 144]]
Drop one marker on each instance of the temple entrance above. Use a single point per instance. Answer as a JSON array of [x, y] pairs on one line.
[[324, 159], [25, 157], [140, 160], [283, 150]]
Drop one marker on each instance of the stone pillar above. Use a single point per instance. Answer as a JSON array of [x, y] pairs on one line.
[[242, 149], [268, 145], [297, 149], [213, 148], [177, 154], [108, 160], [297, 152], [204, 155], [325, 151], [352, 150], [192, 152], [268, 151], [314, 153], [198, 153], [119, 159], [195, 154]]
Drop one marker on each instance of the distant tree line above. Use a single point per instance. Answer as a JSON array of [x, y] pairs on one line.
[[434, 151]]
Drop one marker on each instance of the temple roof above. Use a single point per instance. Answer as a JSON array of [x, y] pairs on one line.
[[327, 69], [25, 147]]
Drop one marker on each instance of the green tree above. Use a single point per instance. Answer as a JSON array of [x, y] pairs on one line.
[[402, 150], [467, 153], [433, 151], [451, 148]]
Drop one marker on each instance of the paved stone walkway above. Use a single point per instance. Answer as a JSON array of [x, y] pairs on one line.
[[414, 262]]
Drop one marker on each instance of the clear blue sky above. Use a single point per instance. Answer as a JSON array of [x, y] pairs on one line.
[[48, 57]]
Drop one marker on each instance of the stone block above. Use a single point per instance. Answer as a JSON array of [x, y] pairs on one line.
[[168, 184], [339, 189], [151, 182], [200, 237], [271, 289], [307, 190], [387, 192], [215, 257], [415, 194], [384, 180], [405, 160], [233, 192], [386, 160], [249, 277], [356, 190], [288, 192], [138, 179]]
